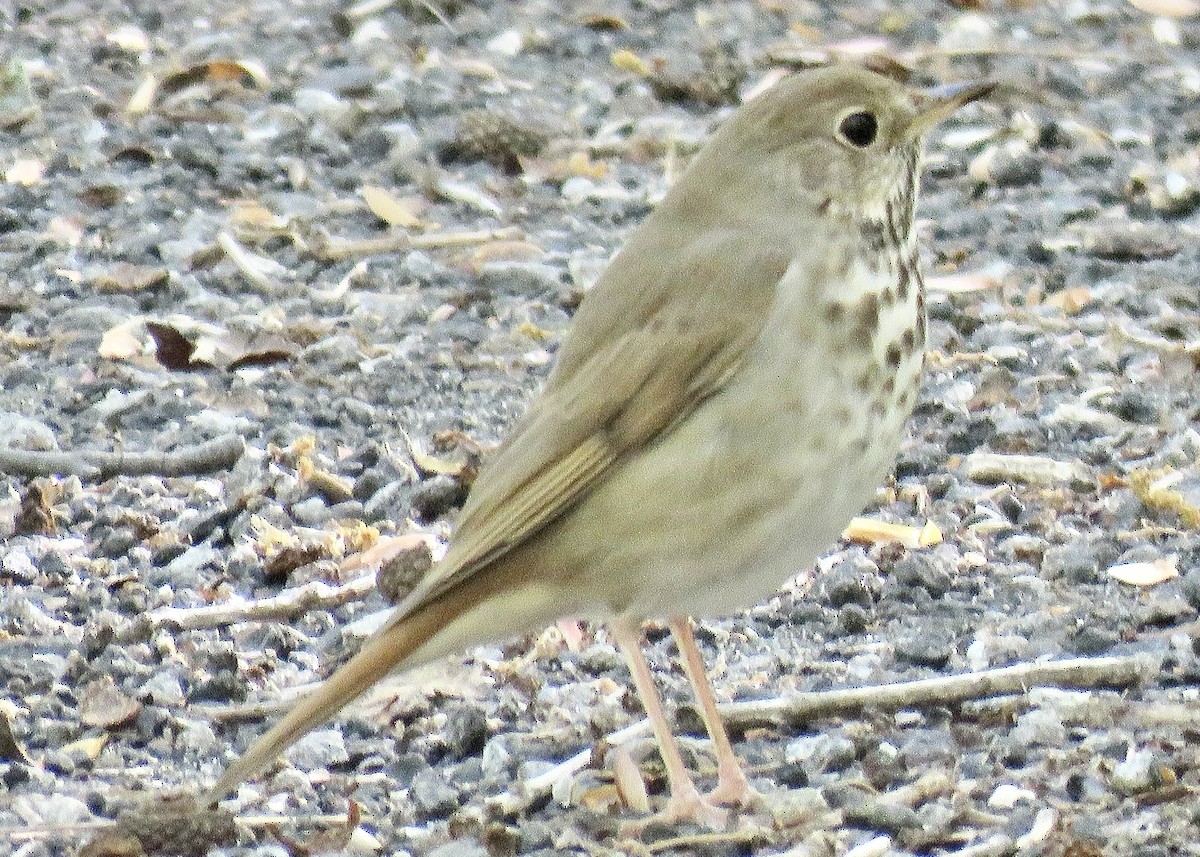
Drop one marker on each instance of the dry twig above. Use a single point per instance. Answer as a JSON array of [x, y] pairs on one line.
[[96, 466], [314, 595]]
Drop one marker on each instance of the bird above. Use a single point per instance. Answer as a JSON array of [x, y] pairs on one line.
[[731, 392]]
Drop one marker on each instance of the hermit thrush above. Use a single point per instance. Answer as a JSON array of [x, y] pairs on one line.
[[733, 390]]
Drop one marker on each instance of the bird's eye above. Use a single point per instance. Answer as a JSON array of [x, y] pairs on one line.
[[859, 129]]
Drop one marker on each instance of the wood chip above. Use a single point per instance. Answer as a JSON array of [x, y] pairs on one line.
[[870, 532], [991, 468], [1146, 573]]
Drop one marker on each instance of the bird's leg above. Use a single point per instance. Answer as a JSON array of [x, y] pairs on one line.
[[685, 802], [732, 786]]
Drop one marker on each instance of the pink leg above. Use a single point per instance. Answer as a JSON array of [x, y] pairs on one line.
[[686, 801], [732, 786]]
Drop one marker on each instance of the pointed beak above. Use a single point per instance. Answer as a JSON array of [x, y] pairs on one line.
[[935, 104]]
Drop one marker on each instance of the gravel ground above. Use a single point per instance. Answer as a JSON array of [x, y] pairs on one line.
[[193, 245]]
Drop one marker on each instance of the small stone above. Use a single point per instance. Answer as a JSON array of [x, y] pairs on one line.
[[854, 581], [929, 649], [1138, 772], [162, 688], [820, 753], [398, 576], [435, 497], [325, 748], [1091, 640], [1006, 796], [1189, 586], [466, 730], [1040, 728], [432, 796], [713, 81], [459, 848], [1076, 562], [922, 570], [854, 618], [1130, 241], [499, 138]]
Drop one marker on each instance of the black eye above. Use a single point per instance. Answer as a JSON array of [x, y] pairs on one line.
[[859, 129]]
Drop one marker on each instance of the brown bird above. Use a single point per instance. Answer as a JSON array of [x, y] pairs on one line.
[[732, 392]]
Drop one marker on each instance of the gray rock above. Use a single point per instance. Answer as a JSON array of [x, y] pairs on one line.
[[432, 796], [324, 748]]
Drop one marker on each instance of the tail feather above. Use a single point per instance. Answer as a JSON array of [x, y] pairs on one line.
[[391, 647]]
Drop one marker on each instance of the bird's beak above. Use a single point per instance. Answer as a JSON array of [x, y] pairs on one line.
[[935, 104]]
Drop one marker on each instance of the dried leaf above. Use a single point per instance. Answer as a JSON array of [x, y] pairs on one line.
[[1170, 490], [250, 214], [90, 746], [259, 270], [627, 60], [581, 164], [508, 251], [1167, 8], [131, 39], [26, 172], [123, 342], [126, 278], [394, 210], [1071, 300], [10, 748], [143, 97], [870, 531], [962, 284], [1146, 573], [171, 348], [247, 74]]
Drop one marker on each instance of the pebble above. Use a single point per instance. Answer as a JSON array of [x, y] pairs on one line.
[[432, 796], [818, 754], [322, 749], [1039, 728], [922, 570]]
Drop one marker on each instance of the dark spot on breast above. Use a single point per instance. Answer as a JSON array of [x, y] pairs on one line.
[[823, 206], [835, 312], [868, 379], [866, 320], [889, 386], [888, 296], [874, 237], [893, 356], [868, 311], [902, 281], [907, 341]]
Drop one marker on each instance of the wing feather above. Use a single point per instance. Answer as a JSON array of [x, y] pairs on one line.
[[629, 371]]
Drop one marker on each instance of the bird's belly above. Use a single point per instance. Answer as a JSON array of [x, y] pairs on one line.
[[747, 492]]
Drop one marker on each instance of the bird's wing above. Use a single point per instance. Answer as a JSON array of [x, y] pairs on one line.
[[629, 371]]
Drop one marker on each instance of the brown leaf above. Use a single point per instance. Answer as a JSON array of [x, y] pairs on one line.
[[172, 349], [10, 748]]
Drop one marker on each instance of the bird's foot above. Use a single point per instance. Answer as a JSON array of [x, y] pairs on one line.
[[733, 788], [685, 804]]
